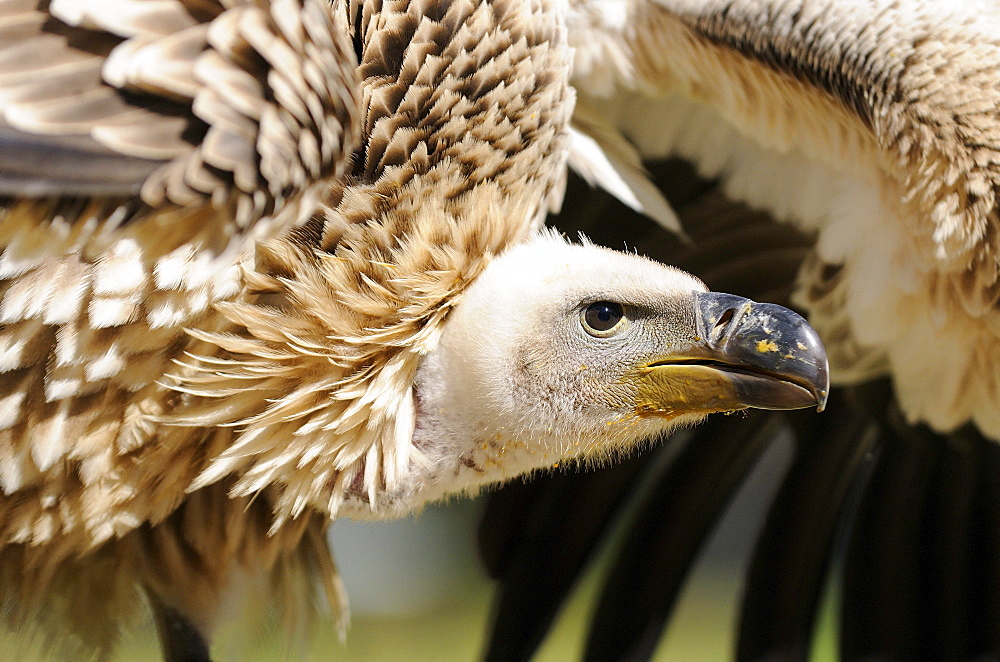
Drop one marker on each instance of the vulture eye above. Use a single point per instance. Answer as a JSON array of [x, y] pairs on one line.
[[601, 318]]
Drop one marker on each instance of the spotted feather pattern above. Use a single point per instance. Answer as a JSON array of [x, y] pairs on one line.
[[290, 390], [147, 145]]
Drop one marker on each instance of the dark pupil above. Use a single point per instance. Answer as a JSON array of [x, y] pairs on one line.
[[603, 315]]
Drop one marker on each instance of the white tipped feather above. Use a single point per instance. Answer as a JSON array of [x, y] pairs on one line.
[[398, 454], [120, 271], [10, 408], [53, 442], [13, 469], [601, 156]]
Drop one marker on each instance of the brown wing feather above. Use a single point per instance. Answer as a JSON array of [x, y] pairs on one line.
[[51, 98], [51, 164], [137, 171]]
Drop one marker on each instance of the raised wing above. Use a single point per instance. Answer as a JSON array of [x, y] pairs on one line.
[[873, 125], [870, 130], [145, 146]]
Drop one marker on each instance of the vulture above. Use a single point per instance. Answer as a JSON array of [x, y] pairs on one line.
[[268, 263], [841, 157]]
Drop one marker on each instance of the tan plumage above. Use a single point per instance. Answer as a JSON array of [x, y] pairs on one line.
[[394, 258], [871, 128], [212, 128], [98, 288], [872, 125], [199, 372], [147, 146]]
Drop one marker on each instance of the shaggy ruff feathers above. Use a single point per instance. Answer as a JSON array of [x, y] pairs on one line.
[[295, 386], [318, 376]]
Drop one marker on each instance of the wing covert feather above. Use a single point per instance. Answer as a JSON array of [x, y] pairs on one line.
[[873, 125], [145, 147]]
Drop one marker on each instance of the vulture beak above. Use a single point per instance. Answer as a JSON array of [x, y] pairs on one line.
[[744, 354]]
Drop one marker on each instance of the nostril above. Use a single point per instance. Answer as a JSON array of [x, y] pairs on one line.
[[720, 315], [721, 328], [726, 318]]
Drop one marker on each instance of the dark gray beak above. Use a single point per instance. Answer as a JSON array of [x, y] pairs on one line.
[[776, 359], [741, 354]]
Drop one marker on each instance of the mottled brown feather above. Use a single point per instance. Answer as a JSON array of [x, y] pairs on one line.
[[139, 167], [292, 389]]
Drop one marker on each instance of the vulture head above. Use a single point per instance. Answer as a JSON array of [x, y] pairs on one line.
[[560, 351]]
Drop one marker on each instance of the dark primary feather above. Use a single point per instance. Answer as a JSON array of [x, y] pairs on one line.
[[792, 559], [51, 165], [181, 641], [58, 111], [909, 519], [542, 557], [928, 495], [648, 572]]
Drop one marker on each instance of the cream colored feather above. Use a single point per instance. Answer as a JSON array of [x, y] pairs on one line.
[[141, 456], [873, 125], [317, 377], [146, 147], [97, 290], [199, 372]]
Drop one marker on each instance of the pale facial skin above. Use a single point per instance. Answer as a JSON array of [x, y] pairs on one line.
[[563, 351]]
